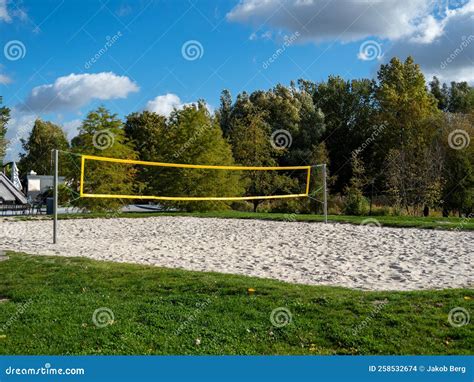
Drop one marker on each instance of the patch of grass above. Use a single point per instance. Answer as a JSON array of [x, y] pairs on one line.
[[49, 303], [451, 223]]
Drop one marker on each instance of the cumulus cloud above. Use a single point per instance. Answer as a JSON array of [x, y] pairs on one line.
[[450, 54], [439, 39], [344, 20], [165, 104], [76, 90]]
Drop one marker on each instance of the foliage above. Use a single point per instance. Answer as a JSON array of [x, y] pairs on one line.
[[458, 169], [4, 118], [102, 134], [43, 138], [192, 136]]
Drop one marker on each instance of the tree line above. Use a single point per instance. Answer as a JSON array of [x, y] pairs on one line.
[[393, 145]]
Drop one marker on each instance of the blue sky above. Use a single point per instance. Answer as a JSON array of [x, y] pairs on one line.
[[163, 54]]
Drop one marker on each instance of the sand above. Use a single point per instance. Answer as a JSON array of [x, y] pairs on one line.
[[354, 256]]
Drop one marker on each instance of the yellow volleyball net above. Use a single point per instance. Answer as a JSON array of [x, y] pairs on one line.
[[303, 174]]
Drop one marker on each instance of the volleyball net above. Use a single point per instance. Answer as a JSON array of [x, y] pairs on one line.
[[179, 182]]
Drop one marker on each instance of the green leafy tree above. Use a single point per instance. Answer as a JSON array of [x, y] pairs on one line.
[[412, 126], [349, 120], [44, 137], [251, 144], [102, 134], [458, 169], [194, 137], [441, 93], [4, 118]]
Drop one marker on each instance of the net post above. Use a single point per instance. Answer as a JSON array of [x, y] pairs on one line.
[[55, 198], [325, 194]]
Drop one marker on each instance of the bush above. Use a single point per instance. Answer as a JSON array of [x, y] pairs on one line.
[[355, 203]]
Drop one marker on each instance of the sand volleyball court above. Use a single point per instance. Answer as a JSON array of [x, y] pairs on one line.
[[354, 256]]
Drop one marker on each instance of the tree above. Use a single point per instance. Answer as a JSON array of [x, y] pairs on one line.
[[102, 134], [224, 112], [349, 119], [458, 169], [194, 137], [441, 93], [461, 98], [251, 144], [44, 137], [412, 119], [145, 131], [4, 118], [356, 203]]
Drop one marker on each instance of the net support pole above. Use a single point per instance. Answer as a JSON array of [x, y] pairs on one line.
[[55, 198], [325, 193]]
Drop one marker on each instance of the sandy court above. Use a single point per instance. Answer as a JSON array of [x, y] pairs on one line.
[[355, 256]]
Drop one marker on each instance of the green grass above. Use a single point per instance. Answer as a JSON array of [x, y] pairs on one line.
[[51, 301], [389, 221]]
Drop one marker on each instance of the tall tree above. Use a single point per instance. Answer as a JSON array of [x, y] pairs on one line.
[[194, 137], [349, 119], [441, 93], [224, 112], [102, 134], [4, 118], [412, 120], [252, 146], [458, 169], [44, 137]]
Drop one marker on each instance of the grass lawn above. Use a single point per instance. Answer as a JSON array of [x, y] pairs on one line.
[[389, 221], [47, 307]]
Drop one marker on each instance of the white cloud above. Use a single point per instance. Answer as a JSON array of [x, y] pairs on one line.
[[4, 16], [344, 20], [165, 104], [18, 127], [450, 54], [439, 38], [76, 90]]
